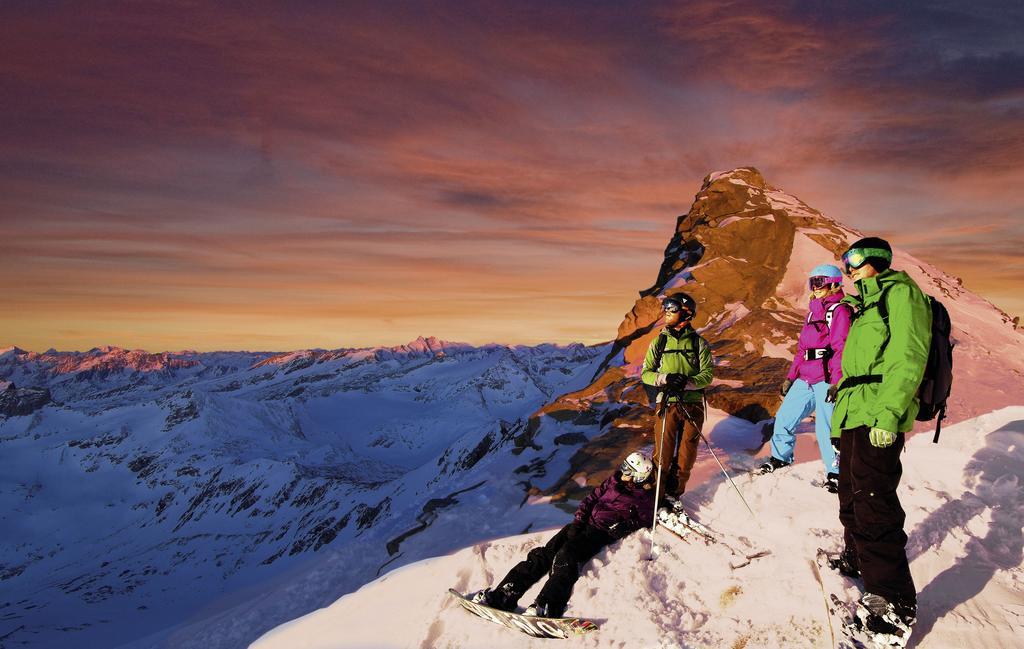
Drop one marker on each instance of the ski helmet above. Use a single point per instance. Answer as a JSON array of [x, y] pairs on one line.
[[824, 275], [637, 466], [869, 250], [680, 302]]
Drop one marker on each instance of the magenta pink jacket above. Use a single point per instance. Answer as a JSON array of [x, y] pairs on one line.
[[816, 334]]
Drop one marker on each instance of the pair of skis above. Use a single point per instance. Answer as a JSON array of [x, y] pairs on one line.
[[680, 524]]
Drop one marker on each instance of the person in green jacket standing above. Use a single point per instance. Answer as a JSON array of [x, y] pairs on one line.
[[679, 364], [883, 363]]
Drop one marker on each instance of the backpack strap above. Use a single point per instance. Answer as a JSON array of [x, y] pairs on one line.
[[659, 350], [829, 313]]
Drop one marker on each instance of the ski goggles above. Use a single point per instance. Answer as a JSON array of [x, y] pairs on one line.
[[857, 257], [821, 281], [673, 307]]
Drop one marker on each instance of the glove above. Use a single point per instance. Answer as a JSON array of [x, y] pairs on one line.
[[784, 388], [835, 443], [881, 438], [676, 382], [833, 392]]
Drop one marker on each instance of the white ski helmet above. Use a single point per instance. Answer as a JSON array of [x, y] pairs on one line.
[[637, 466]]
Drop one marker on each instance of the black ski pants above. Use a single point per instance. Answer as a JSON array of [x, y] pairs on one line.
[[562, 558], [872, 516]]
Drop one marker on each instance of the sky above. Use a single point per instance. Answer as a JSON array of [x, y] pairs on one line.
[[276, 176]]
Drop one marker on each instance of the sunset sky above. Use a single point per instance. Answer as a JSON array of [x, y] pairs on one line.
[[197, 175]]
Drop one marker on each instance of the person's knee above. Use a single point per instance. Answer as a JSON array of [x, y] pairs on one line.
[[564, 564]]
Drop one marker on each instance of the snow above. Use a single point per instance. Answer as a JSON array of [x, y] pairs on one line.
[[783, 351], [732, 219], [730, 314], [964, 516], [806, 254]]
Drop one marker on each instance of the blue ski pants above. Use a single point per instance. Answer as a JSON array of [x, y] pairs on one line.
[[798, 403]]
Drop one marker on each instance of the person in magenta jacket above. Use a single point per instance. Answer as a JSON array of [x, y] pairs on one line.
[[814, 374]]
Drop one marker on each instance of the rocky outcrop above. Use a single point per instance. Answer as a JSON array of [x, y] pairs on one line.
[[732, 252], [16, 402], [743, 252]]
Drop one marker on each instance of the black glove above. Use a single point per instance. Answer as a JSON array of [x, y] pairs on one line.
[[784, 388], [676, 382], [835, 443], [833, 392]]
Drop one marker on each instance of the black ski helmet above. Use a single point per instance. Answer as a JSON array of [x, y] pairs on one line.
[[869, 244], [683, 301]]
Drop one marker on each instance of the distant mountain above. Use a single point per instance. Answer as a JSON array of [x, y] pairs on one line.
[[145, 487]]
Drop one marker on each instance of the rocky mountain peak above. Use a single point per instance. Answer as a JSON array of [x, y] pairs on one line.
[[743, 251]]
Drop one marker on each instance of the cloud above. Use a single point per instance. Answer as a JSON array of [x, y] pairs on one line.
[[208, 157]]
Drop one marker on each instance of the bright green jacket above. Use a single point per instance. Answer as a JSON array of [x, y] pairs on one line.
[[685, 353], [898, 351]]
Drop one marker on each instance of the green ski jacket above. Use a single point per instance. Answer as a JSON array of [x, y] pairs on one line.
[[895, 351], [685, 353]]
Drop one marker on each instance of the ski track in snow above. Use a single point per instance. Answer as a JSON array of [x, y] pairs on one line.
[[964, 519]]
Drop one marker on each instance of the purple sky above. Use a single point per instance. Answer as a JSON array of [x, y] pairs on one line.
[[259, 176]]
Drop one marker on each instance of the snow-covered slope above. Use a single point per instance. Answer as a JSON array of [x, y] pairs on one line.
[[964, 517], [157, 488]]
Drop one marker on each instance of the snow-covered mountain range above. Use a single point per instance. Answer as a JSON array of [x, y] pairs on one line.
[[142, 488], [199, 500]]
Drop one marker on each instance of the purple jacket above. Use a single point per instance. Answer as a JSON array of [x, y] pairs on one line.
[[817, 335], [617, 507]]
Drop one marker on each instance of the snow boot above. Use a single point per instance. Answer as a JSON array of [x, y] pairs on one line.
[[832, 483], [538, 609], [771, 465], [845, 563], [673, 504], [499, 599], [885, 623]]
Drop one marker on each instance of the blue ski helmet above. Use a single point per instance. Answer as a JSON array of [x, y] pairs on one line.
[[827, 270], [824, 275]]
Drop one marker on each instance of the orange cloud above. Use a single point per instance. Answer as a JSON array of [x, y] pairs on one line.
[[370, 174]]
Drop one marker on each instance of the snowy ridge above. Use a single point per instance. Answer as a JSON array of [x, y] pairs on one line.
[[964, 516]]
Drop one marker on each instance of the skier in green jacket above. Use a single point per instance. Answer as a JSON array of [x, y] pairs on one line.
[[679, 364], [883, 364]]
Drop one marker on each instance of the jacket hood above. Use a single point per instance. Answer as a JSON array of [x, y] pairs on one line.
[[874, 285], [819, 306]]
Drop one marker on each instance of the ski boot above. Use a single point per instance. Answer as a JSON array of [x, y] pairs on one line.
[[538, 609], [883, 623], [772, 465], [845, 563], [832, 483], [498, 599]]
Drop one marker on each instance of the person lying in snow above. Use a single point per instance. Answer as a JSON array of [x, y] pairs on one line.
[[619, 506]]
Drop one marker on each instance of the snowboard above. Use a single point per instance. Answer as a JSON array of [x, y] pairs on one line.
[[538, 627], [688, 529]]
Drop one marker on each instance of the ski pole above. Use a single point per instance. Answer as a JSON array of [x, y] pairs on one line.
[[728, 477], [657, 484]]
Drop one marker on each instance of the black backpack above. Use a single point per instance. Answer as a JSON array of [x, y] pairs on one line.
[[937, 382]]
